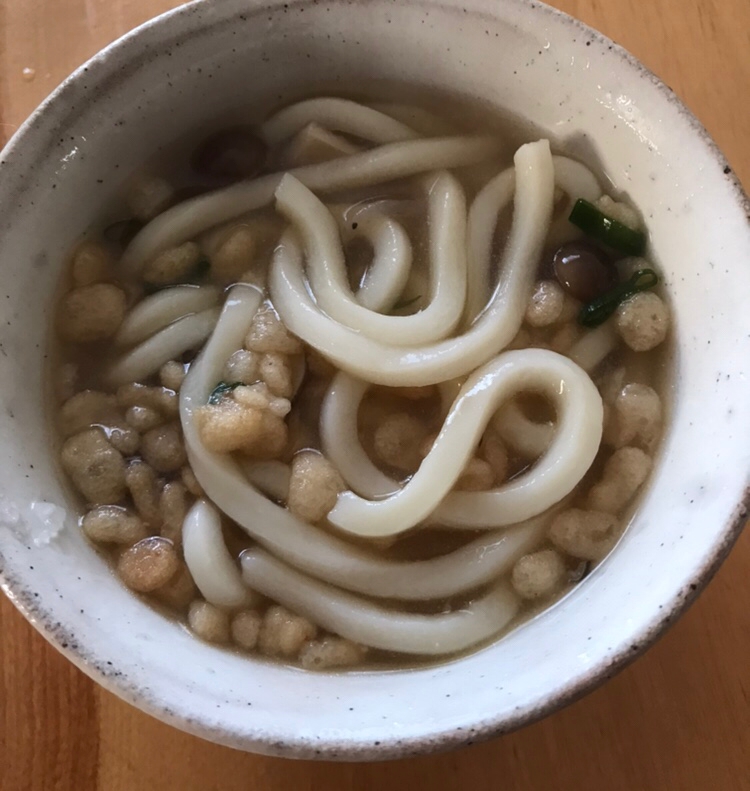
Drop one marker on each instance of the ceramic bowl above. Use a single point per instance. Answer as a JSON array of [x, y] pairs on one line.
[[595, 102]]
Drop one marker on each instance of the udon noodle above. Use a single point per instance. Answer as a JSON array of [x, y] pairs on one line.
[[347, 404]]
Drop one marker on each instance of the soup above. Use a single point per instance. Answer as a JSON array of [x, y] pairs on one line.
[[355, 386]]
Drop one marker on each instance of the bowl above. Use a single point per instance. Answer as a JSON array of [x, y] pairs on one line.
[[596, 103]]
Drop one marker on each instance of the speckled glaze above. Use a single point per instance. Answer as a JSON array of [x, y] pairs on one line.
[[596, 103]]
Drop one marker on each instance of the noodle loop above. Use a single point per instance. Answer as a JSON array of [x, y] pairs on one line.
[[428, 492]]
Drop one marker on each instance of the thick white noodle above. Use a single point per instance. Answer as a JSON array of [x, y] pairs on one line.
[[573, 178], [271, 477], [576, 181], [485, 209], [376, 166], [315, 144], [338, 115], [340, 441], [577, 437], [159, 310], [386, 364], [328, 274], [341, 445], [214, 570], [306, 547], [448, 392], [173, 341], [388, 272], [400, 208], [417, 118], [372, 624], [594, 346], [465, 569], [530, 438]]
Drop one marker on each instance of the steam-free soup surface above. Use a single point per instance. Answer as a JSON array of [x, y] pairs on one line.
[[359, 384]]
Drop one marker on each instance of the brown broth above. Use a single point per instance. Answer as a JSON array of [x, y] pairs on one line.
[[651, 368]]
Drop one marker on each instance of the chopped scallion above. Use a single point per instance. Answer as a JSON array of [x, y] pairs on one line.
[[222, 389], [594, 223], [600, 309]]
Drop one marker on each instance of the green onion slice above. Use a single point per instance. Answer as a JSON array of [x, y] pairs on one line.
[[222, 389], [597, 225], [600, 309]]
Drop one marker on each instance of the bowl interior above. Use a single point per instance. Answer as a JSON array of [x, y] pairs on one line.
[[594, 103]]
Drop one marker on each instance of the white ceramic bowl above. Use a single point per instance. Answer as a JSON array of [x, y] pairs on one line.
[[595, 102]]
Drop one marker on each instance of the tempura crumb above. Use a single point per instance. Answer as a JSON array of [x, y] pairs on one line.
[[269, 335], [492, 449], [173, 507], [95, 467], [124, 438], [91, 313], [162, 399], [143, 418], [258, 396], [172, 375], [538, 575], [624, 473], [477, 476], [144, 488], [276, 371], [92, 263], [228, 427], [242, 366], [588, 535], [149, 564], [234, 256], [246, 626], [162, 447], [174, 265], [113, 524], [208, 622], [397, 441], [635, 418], [331, 652], [314, 486], [283, 633], [87, 408], [545, 305], [643, 321], [191, 482]]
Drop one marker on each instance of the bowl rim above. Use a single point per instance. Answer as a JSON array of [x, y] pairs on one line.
[[42, 617]]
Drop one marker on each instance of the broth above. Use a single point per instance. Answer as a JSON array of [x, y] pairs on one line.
[[379, 475]]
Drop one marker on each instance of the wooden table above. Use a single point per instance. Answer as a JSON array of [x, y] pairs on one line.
[[678, 719]]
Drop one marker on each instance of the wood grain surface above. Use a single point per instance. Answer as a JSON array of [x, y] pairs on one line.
[[679, 718]]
